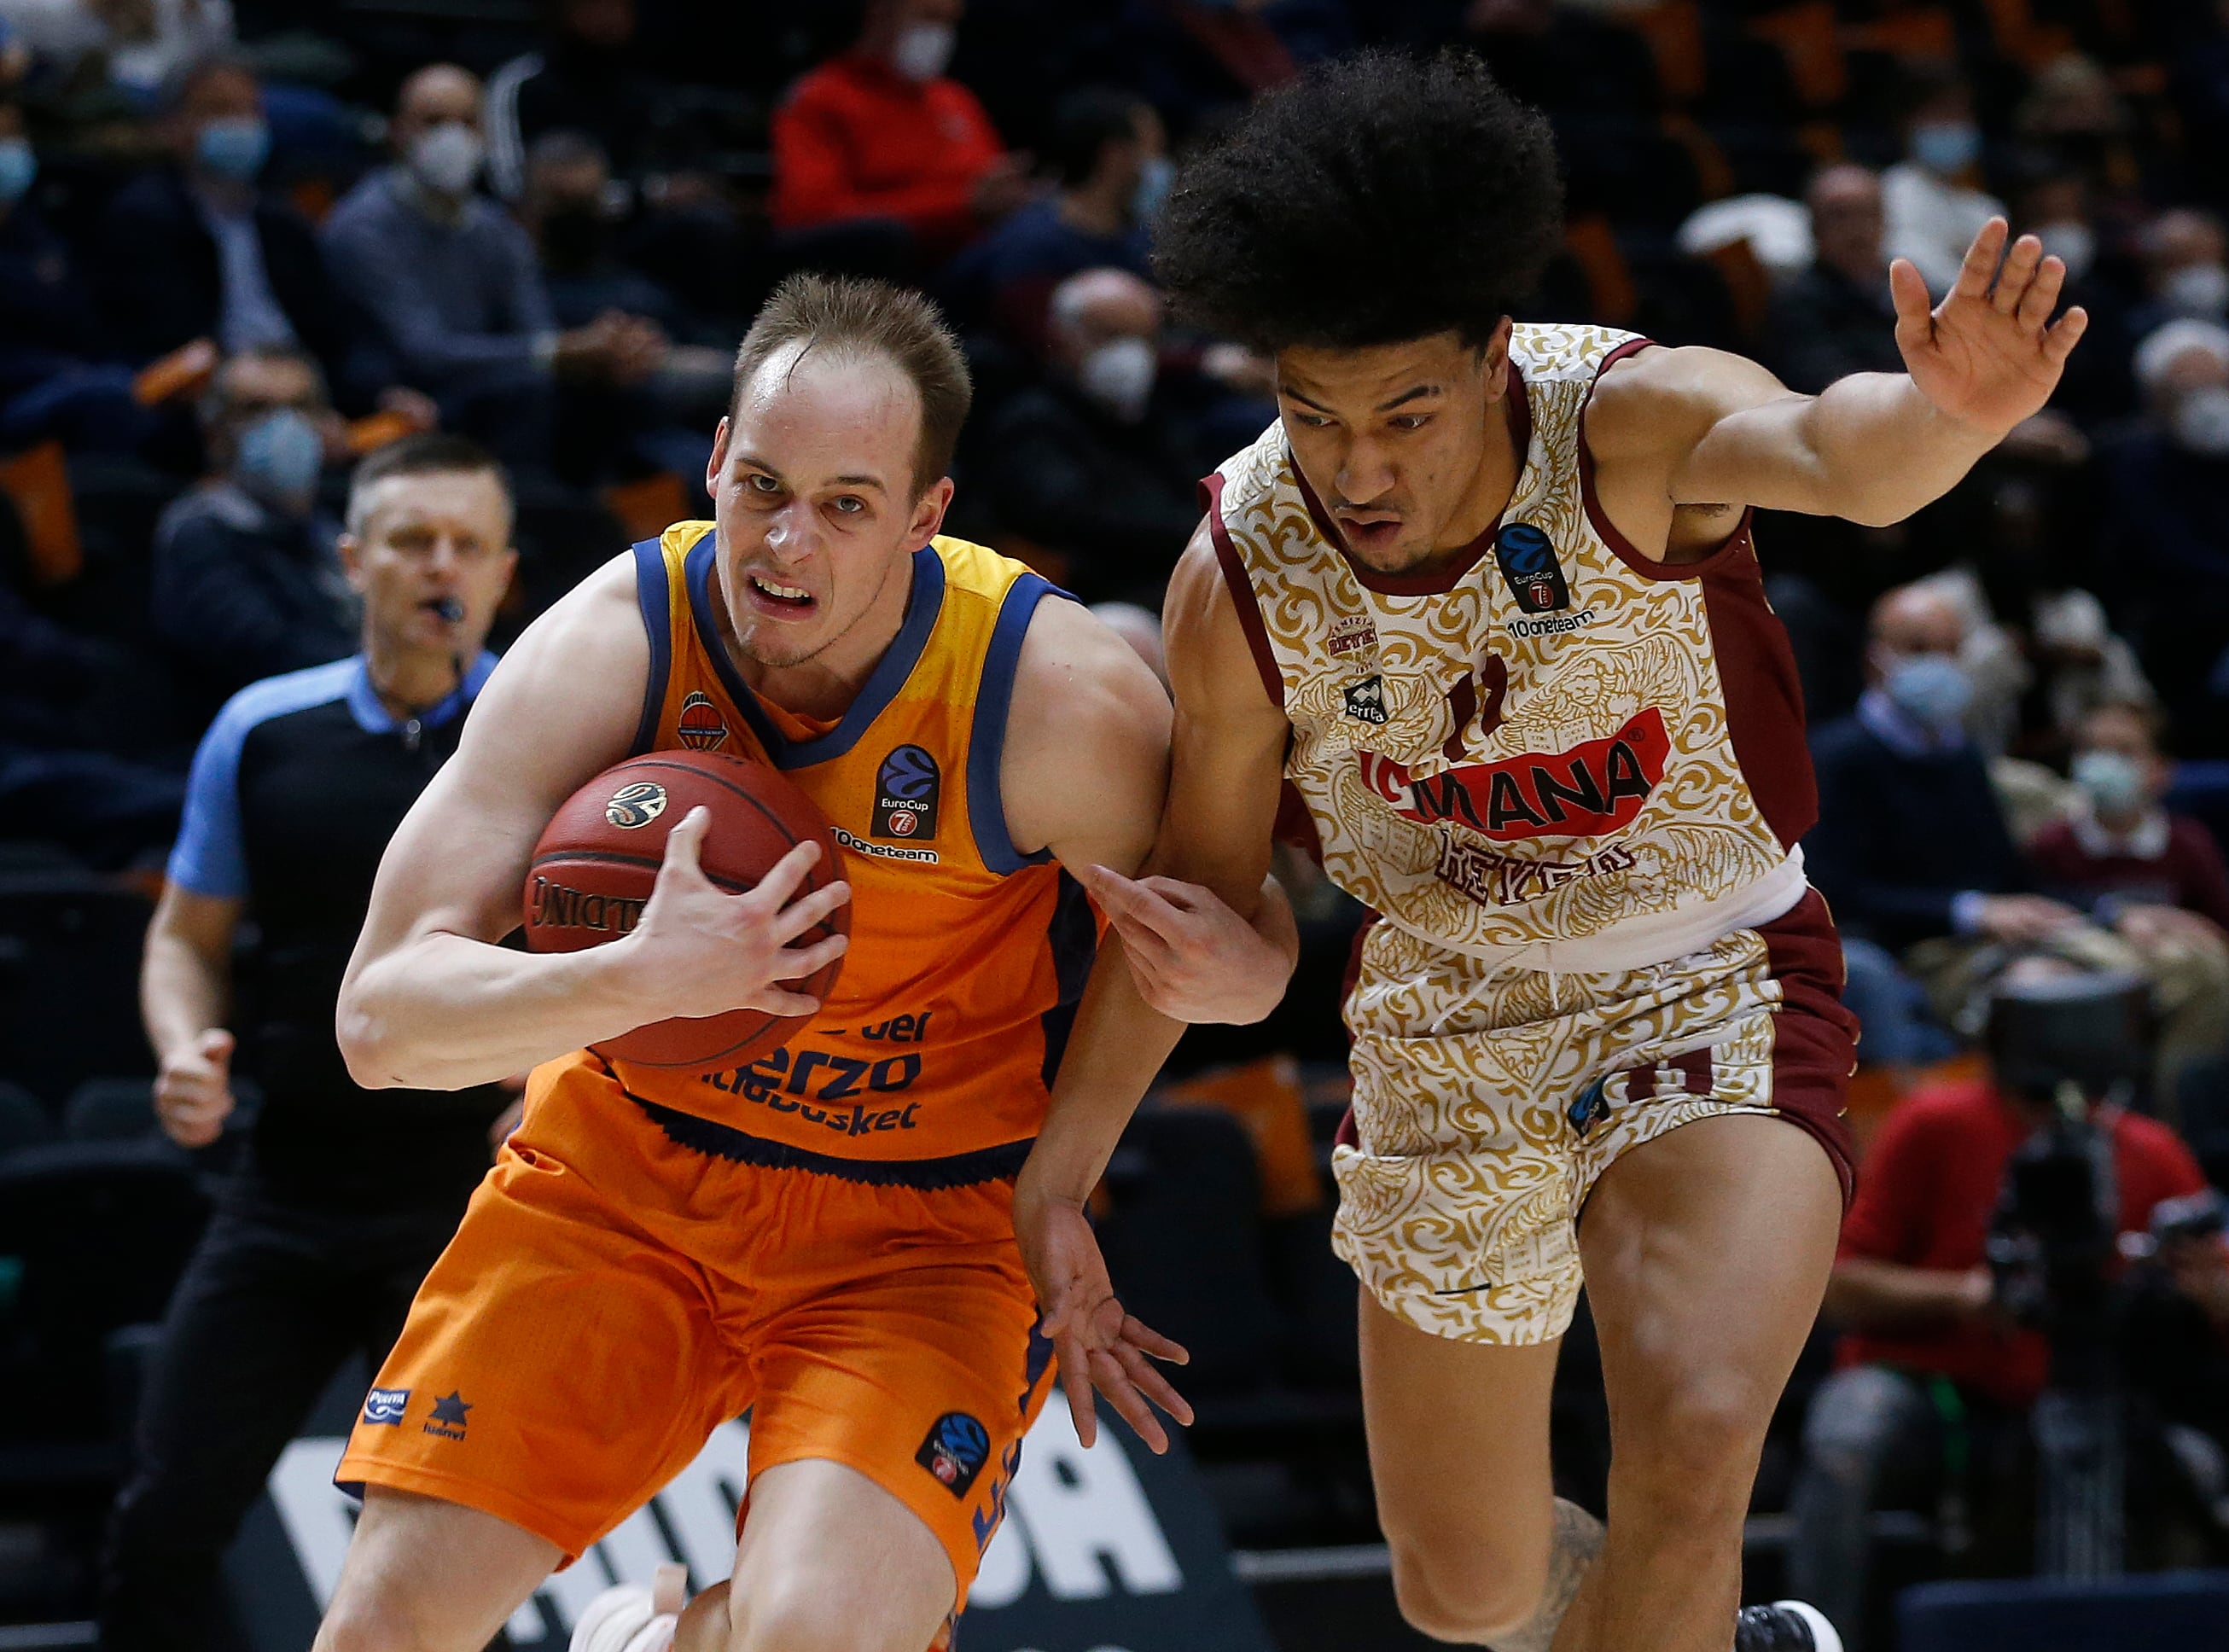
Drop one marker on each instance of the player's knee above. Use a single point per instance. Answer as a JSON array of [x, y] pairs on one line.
[[370, 1621], [1692, 1455], [1470, 1600], [793, 1616]]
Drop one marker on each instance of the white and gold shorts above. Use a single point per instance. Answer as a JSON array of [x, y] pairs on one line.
[[1487, 1103]]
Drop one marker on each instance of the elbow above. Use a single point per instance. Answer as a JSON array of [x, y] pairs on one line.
[[365, 1045]]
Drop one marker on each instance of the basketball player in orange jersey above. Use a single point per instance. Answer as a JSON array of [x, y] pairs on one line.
[[822, 1237], [1485, 598]]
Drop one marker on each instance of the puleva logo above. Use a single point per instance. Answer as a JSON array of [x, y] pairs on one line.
[[636, 804], [957, 1447], [906, 788], [386, 1405], [1528, 563], [702, 727]]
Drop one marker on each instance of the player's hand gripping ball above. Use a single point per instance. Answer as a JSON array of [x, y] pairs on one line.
[[597, 858]]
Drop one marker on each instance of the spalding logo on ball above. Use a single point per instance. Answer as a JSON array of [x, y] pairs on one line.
[[637, 805]]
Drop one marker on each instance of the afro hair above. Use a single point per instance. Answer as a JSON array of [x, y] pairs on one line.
[[1382, 197]]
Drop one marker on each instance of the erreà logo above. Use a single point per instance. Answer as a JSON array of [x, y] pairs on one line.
[[700, 726], [1594, 788], [1529, 567], [1365, 701], [906, 788]]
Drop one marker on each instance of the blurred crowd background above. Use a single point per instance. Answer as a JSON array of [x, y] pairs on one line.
[[245, 243]]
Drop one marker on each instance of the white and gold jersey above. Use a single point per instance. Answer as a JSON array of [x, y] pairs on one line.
[[1555, 751]]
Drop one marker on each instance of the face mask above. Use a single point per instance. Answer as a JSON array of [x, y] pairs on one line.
[[446, 159], [923, 49], [2200, 421], [1155, 178], [1118, 377], [2201, 291], [1932, 689], [2071, 243], [18, 166], [280, 455], [1946, 146], [2113, 783], [234, 149]]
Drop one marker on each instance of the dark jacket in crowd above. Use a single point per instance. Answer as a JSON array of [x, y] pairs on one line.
[[1901, 834], [161, 281], [46, 323], [1824, 326], [1115, 498], [242, 592]]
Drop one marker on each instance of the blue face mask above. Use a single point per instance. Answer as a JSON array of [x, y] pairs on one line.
[[1930, 689], [2113, 783], [18, 166], [234, 149], [1946, 146], [280, 455], [1155, 178]]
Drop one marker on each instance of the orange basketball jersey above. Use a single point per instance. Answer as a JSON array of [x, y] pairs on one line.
[[930, 1064]]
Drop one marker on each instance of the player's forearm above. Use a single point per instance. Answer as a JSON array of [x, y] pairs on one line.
[[1116, 1050], [1883, 450], [445, 1011], [183, 993], [1888, 1297]]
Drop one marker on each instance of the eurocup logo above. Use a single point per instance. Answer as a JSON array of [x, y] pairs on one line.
[[1528, 563], [636, 804], [906, 788]]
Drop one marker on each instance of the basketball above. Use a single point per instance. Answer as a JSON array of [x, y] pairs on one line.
[[597, 858]]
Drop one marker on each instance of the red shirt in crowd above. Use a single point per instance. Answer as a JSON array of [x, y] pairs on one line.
[[2169, 860], [856, 139], [1925, 1198]]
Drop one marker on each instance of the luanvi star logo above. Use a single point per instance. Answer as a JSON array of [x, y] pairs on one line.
[[448, 1418]]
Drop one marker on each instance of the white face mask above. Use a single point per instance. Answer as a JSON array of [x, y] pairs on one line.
[[923, 51], [2201, 291], [2073, 243], [2200, 421], [447, 158], [1118, 377]]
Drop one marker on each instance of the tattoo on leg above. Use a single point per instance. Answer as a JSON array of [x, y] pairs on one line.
[[1576, 1539]]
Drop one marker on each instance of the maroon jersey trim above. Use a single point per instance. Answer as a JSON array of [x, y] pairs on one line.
[[1242, 591]]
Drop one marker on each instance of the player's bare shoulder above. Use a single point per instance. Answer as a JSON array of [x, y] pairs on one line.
[[1087, 737]]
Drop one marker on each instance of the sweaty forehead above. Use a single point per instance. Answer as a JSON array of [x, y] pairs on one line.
[[812, 411]]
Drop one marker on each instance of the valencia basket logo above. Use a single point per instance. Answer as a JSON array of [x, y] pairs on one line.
[[700, 726]]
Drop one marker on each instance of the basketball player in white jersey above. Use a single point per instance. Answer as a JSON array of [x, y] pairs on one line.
[[1485, 598]]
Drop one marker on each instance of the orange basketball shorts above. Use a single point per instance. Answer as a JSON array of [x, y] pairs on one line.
[[613, 1295]]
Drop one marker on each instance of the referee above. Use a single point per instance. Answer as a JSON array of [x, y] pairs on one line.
[[343, 1199]]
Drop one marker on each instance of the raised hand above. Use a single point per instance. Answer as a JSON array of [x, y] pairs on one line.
[[1099, 1346], [1988, 355], [699, 950]]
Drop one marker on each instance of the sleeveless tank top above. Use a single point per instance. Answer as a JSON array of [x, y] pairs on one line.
[[931, 1063], [1554, 751]]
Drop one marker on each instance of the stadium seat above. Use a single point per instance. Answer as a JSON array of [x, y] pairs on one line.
[[2166, 1612], [24, 1121], [69, 1011], [99, 1231], [110, 1110]]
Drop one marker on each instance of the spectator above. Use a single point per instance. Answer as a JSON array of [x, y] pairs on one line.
[[565, 208], [2186, 264], [1835, 318], [1108, 153], [1930, 1354], [56, 377], [2156, 879], [2167, 517], [587, 80], [245, 583], [451, 280], [1930, 199], [143, 41], [343, 1198], [197, 250], [1077, 465], [880, 134]]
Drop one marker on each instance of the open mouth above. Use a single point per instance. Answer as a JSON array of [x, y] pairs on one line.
[[1369, 531], [446, 609], [777, 598]]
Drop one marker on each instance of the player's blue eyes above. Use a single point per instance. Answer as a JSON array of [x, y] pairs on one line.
[[850, 505], [763, 485]]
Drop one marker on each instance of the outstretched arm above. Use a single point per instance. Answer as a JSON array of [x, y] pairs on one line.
[[1709, 429], [1213, 836]]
